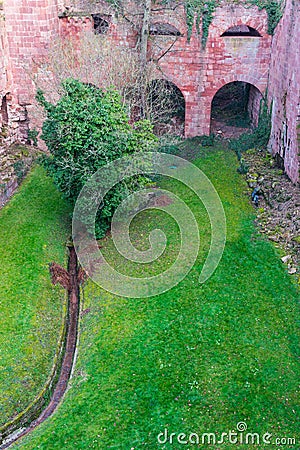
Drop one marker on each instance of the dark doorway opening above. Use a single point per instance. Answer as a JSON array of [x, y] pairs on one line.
[[241, 31], [166, 107], [235, 109], [4, 112], [101, 24], [163, 29]]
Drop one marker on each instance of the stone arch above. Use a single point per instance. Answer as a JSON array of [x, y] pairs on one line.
[[249, 78], [167, 105], [163, 29], [252, 22], [235, 105], [217, 85], [242, 30]]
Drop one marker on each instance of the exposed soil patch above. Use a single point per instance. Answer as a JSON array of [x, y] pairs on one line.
[[278, 205], [59, 275], [160, 200], [221, 129]]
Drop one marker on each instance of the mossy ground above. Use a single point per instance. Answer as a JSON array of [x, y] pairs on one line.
[[195, 359], [34, 226]]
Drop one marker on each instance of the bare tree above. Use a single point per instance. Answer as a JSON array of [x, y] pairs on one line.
[[97, 60]]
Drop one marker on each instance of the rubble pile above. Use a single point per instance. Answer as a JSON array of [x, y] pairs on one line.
[[278, 205]]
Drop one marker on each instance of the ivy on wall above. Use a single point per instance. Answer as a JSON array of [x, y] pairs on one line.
[[274, 10], [204, 10]]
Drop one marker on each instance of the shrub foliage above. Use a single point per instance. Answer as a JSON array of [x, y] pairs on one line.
[[86, 129]]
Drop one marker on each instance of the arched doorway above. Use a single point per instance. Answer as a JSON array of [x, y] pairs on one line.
[[166, 107], [235, 109]]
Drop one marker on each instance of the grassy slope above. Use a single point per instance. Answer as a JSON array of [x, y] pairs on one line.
[[193, 359], [33, 230]]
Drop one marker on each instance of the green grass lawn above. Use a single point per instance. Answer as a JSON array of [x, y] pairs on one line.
[[34, 227], [195, 359]]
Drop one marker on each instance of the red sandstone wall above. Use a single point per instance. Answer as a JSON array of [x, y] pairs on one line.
[[6, 133], [254, 105], [12, 115], [284, 89], [78, 19], [3, 57], [199, 73], [29, 27]]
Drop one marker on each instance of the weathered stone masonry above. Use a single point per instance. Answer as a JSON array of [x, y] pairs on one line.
[[270, 64], [284, 89]]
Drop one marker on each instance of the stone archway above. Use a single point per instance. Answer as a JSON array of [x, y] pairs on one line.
[[166, 107], [241, 30], [235, 108]]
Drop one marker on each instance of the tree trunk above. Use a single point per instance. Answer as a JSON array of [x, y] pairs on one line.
[[143, 56]]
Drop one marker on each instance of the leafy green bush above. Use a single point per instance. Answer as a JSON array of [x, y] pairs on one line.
[[243, 167], [20, 170], [169, 144], [207, 141], [32, 137], [84, 131]]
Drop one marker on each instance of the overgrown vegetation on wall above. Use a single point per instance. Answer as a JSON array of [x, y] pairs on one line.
[[259, 138], [204, 10]]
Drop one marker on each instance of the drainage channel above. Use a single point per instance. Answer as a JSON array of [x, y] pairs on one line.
[[67, 360]]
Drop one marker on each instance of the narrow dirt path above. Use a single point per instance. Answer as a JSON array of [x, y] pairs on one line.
[[69, 352]]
